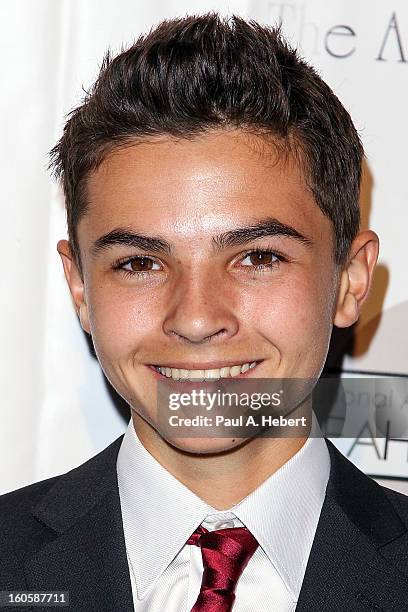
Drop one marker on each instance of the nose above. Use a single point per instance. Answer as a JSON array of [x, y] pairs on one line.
[[200, 311]]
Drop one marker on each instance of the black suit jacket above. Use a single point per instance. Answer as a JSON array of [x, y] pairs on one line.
[[66, 534]]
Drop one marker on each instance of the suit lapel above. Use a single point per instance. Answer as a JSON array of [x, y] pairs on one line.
[[351, 567], [86, 553]]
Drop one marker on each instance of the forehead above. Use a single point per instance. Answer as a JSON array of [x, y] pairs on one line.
[[195, 186]]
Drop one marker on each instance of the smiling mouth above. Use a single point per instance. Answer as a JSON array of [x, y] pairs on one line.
[[205, 375]]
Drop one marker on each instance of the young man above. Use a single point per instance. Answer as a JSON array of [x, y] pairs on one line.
[[211, 182]]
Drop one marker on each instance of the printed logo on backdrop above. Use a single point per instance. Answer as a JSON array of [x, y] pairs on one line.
[[380, 355], [340, 39], [367, 418]]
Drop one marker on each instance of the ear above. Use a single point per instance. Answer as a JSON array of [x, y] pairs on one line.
[[355, 278], [75, 283]]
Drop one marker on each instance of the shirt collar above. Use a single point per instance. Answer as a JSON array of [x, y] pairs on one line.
[[159, 513], [283, 512]]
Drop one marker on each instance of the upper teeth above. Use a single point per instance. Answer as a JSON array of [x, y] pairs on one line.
[[200, 375]]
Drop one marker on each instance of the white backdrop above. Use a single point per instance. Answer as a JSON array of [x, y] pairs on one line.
[[55, 409]]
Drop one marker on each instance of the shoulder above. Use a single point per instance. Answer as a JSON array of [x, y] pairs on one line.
[[32, 517], [19, 529], [18, 520], [20, 533], [360, 495], [17, 503]]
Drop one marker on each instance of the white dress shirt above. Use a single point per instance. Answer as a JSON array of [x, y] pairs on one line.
[[160, 513]]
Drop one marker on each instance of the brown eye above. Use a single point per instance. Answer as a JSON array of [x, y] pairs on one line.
[[141, 264], [260, 258], [138, 266]]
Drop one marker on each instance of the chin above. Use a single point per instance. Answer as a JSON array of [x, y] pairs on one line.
[[206, 446]]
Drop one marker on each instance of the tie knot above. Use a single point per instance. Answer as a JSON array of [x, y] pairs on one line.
[[237, 543], [225, 554]]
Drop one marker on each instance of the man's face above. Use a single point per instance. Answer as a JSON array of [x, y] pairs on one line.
[[205, 296]]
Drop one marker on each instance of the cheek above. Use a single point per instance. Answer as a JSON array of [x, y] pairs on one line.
[[295, 315], [279, 305], [121, 322]]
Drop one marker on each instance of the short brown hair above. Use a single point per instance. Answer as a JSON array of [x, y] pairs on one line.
[[191, 75]]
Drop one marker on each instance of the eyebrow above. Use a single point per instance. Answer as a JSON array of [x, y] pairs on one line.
[[125, 237], [263, 228]]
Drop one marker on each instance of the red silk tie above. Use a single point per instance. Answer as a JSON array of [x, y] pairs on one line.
[[225, 553]]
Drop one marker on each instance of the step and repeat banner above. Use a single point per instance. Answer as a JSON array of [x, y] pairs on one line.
[[56, 407]]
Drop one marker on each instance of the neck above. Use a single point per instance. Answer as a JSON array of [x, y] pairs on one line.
[[213, 477]]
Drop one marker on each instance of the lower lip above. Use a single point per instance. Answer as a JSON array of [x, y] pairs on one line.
[[246, 374]]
